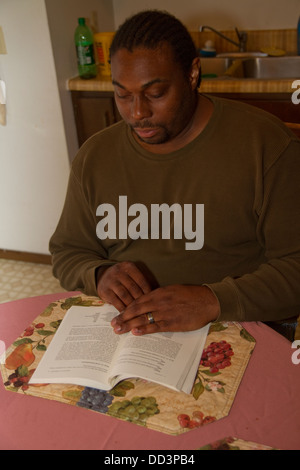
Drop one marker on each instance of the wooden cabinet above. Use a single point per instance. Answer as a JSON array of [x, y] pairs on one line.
[[93, 111], [279, 104]]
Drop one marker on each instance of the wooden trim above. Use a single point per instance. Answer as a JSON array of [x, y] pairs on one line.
[[25, 256], [293, 125]]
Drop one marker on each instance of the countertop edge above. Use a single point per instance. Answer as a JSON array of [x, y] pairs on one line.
[[218, 85]]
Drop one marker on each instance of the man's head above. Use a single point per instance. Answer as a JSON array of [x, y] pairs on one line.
[[155, 72], [149, 29]]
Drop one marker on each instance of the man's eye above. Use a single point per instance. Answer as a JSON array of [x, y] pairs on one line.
[[122, 97], [156, 95]]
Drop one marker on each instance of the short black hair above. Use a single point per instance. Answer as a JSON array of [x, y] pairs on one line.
[[149, 29]]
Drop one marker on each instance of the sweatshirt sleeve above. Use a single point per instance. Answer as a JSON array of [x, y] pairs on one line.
[[272, 292], [76, 251]]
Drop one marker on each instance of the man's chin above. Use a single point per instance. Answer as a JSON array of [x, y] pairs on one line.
[[151, 136]]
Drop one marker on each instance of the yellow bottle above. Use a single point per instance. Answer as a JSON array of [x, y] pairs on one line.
[[102, 44]]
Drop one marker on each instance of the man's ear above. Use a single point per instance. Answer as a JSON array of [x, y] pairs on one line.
[[195, 73]]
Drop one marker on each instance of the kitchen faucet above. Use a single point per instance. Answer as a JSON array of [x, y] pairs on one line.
[[242, 37]]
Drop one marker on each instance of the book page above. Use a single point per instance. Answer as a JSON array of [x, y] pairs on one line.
[[86, 351], [171, 359], [82, 349], [190, 378]]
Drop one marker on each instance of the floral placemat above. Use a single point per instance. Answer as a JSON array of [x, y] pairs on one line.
[[234, 443], [225, 357]]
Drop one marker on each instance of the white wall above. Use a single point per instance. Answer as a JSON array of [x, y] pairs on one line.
[[222, 14], [33, 153], [62, 19], [34, 158]]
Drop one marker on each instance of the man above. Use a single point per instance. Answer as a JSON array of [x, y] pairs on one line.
[[188, 210]]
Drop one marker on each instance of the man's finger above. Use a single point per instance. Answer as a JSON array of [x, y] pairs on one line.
[[136, 277]]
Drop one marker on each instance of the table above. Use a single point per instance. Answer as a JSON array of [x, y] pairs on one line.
[[266, 409]]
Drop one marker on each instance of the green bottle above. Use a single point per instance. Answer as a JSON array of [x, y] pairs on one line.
[[84, 43]]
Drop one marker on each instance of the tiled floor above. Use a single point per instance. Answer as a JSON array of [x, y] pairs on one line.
[[19, 279]]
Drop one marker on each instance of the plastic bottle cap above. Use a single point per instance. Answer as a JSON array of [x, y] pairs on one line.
[[81, 21]]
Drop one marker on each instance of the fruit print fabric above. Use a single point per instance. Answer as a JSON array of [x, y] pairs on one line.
[[234, 443], [225, 357]]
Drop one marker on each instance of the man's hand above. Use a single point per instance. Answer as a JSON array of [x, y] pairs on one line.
[[121, 283], [174, 308]]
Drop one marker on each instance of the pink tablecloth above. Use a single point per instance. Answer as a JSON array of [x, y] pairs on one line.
[[266, 409]]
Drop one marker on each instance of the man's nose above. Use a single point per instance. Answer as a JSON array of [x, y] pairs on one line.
[[140, 109]]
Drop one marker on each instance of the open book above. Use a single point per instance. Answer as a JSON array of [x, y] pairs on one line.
[[86, 351]]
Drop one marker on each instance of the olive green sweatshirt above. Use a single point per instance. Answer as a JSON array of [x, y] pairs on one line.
[[223, 211]]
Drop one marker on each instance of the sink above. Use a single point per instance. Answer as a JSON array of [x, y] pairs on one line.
[[251, 67], [214, 66], [272, 67], [242, 55]]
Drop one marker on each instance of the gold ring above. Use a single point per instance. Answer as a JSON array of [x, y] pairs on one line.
[[150, 318]]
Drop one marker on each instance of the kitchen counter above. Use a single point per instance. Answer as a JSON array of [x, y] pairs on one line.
[[285, 39], [214, 85], [95, 108]]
